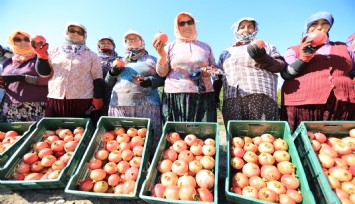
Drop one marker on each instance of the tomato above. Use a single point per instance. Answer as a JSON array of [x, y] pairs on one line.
[[162, 37]]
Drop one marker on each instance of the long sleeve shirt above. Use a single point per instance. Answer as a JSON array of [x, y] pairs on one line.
[[126, 90], [20, 91], [245, 76], [72, 76], [183, 59]]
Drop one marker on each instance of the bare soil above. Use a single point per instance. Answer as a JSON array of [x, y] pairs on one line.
[[58, 196]]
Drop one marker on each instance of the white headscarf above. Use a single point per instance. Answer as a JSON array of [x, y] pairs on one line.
[[244, 38], [176, 27]]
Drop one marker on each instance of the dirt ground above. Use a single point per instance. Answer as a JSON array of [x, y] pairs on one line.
[[58, 196]]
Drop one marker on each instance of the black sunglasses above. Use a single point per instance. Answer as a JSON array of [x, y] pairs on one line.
[[189, 22], [75, 31], [17, 39]]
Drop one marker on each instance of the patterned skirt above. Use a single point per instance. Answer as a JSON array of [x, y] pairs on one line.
[[250, 107], [191, 107], [152, 112], [27, 111], [333, 110]]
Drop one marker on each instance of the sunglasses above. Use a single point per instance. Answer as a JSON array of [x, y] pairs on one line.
[[17, 39], [189, 22], [76, 31]]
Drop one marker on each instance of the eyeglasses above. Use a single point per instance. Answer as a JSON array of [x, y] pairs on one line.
[[189, 22], [17, 39], [76, 31], [132, 40]]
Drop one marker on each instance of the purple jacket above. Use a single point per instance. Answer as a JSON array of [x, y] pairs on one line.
[[19, 92]]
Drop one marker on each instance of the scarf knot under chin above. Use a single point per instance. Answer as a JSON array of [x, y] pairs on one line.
[[133, 56], [73, 49], [19, 59]]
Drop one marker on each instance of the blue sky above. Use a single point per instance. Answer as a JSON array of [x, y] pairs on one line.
[[281, 22]]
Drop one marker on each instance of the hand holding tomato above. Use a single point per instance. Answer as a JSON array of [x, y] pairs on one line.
[[117, 67]]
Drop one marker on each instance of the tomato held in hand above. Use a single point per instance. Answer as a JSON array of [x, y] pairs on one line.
[[259, 43], [162, 37], [317, 37], [37, 40]]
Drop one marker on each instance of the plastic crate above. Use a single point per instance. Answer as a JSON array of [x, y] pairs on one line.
[[313, 170], [202, 131], [278, 129], [107, 124], [44, 124], [22, 128]]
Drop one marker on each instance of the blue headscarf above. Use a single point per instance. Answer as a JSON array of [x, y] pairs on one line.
[[317, 16]]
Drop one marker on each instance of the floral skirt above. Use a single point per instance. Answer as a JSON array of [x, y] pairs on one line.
[[27, 111], [250, 107], [189, 107]]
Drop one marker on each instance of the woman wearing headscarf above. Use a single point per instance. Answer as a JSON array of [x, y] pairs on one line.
[[186, 62], [318, 80], [135, 86], [107, 54], [75, 74], [26, 91], [250, 80]]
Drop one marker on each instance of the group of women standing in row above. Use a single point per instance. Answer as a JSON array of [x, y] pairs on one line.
[[73, 81]]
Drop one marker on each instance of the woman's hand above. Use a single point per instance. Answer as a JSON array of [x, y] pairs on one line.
[[159, 47], [305, 54]]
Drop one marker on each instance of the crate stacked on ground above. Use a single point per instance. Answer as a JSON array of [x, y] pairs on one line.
[[49, 155], [327, 151], [185, 165], [115, 161], [263, 164], [12, 136]]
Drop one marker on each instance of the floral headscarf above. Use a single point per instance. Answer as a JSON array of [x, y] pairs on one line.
[[20, 55], [107, 56], [244, 39], [71, 48], [134, 52], [176, 27]]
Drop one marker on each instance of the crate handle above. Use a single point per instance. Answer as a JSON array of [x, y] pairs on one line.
[[332, 126], [256, 124], [191, 126], [68, 121]]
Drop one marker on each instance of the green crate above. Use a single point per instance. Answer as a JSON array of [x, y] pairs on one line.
[[22, 128], [316, 178], [107, 123], [278, 129], [202, 131], [43, 125]]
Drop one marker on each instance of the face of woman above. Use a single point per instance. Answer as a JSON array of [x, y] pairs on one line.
[[105, 44], [246, 27], [21, 41], [319, 25], [187, 27], [133, 40], [75, 33]]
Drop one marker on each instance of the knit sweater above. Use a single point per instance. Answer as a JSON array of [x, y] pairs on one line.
[[323, 74]]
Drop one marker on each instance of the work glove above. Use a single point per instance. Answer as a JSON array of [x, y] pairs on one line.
[[307, 50], [42, 51], [117, 67], [145, 82], [196, 77], [16, 77], [255, 52], [98, 103]]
